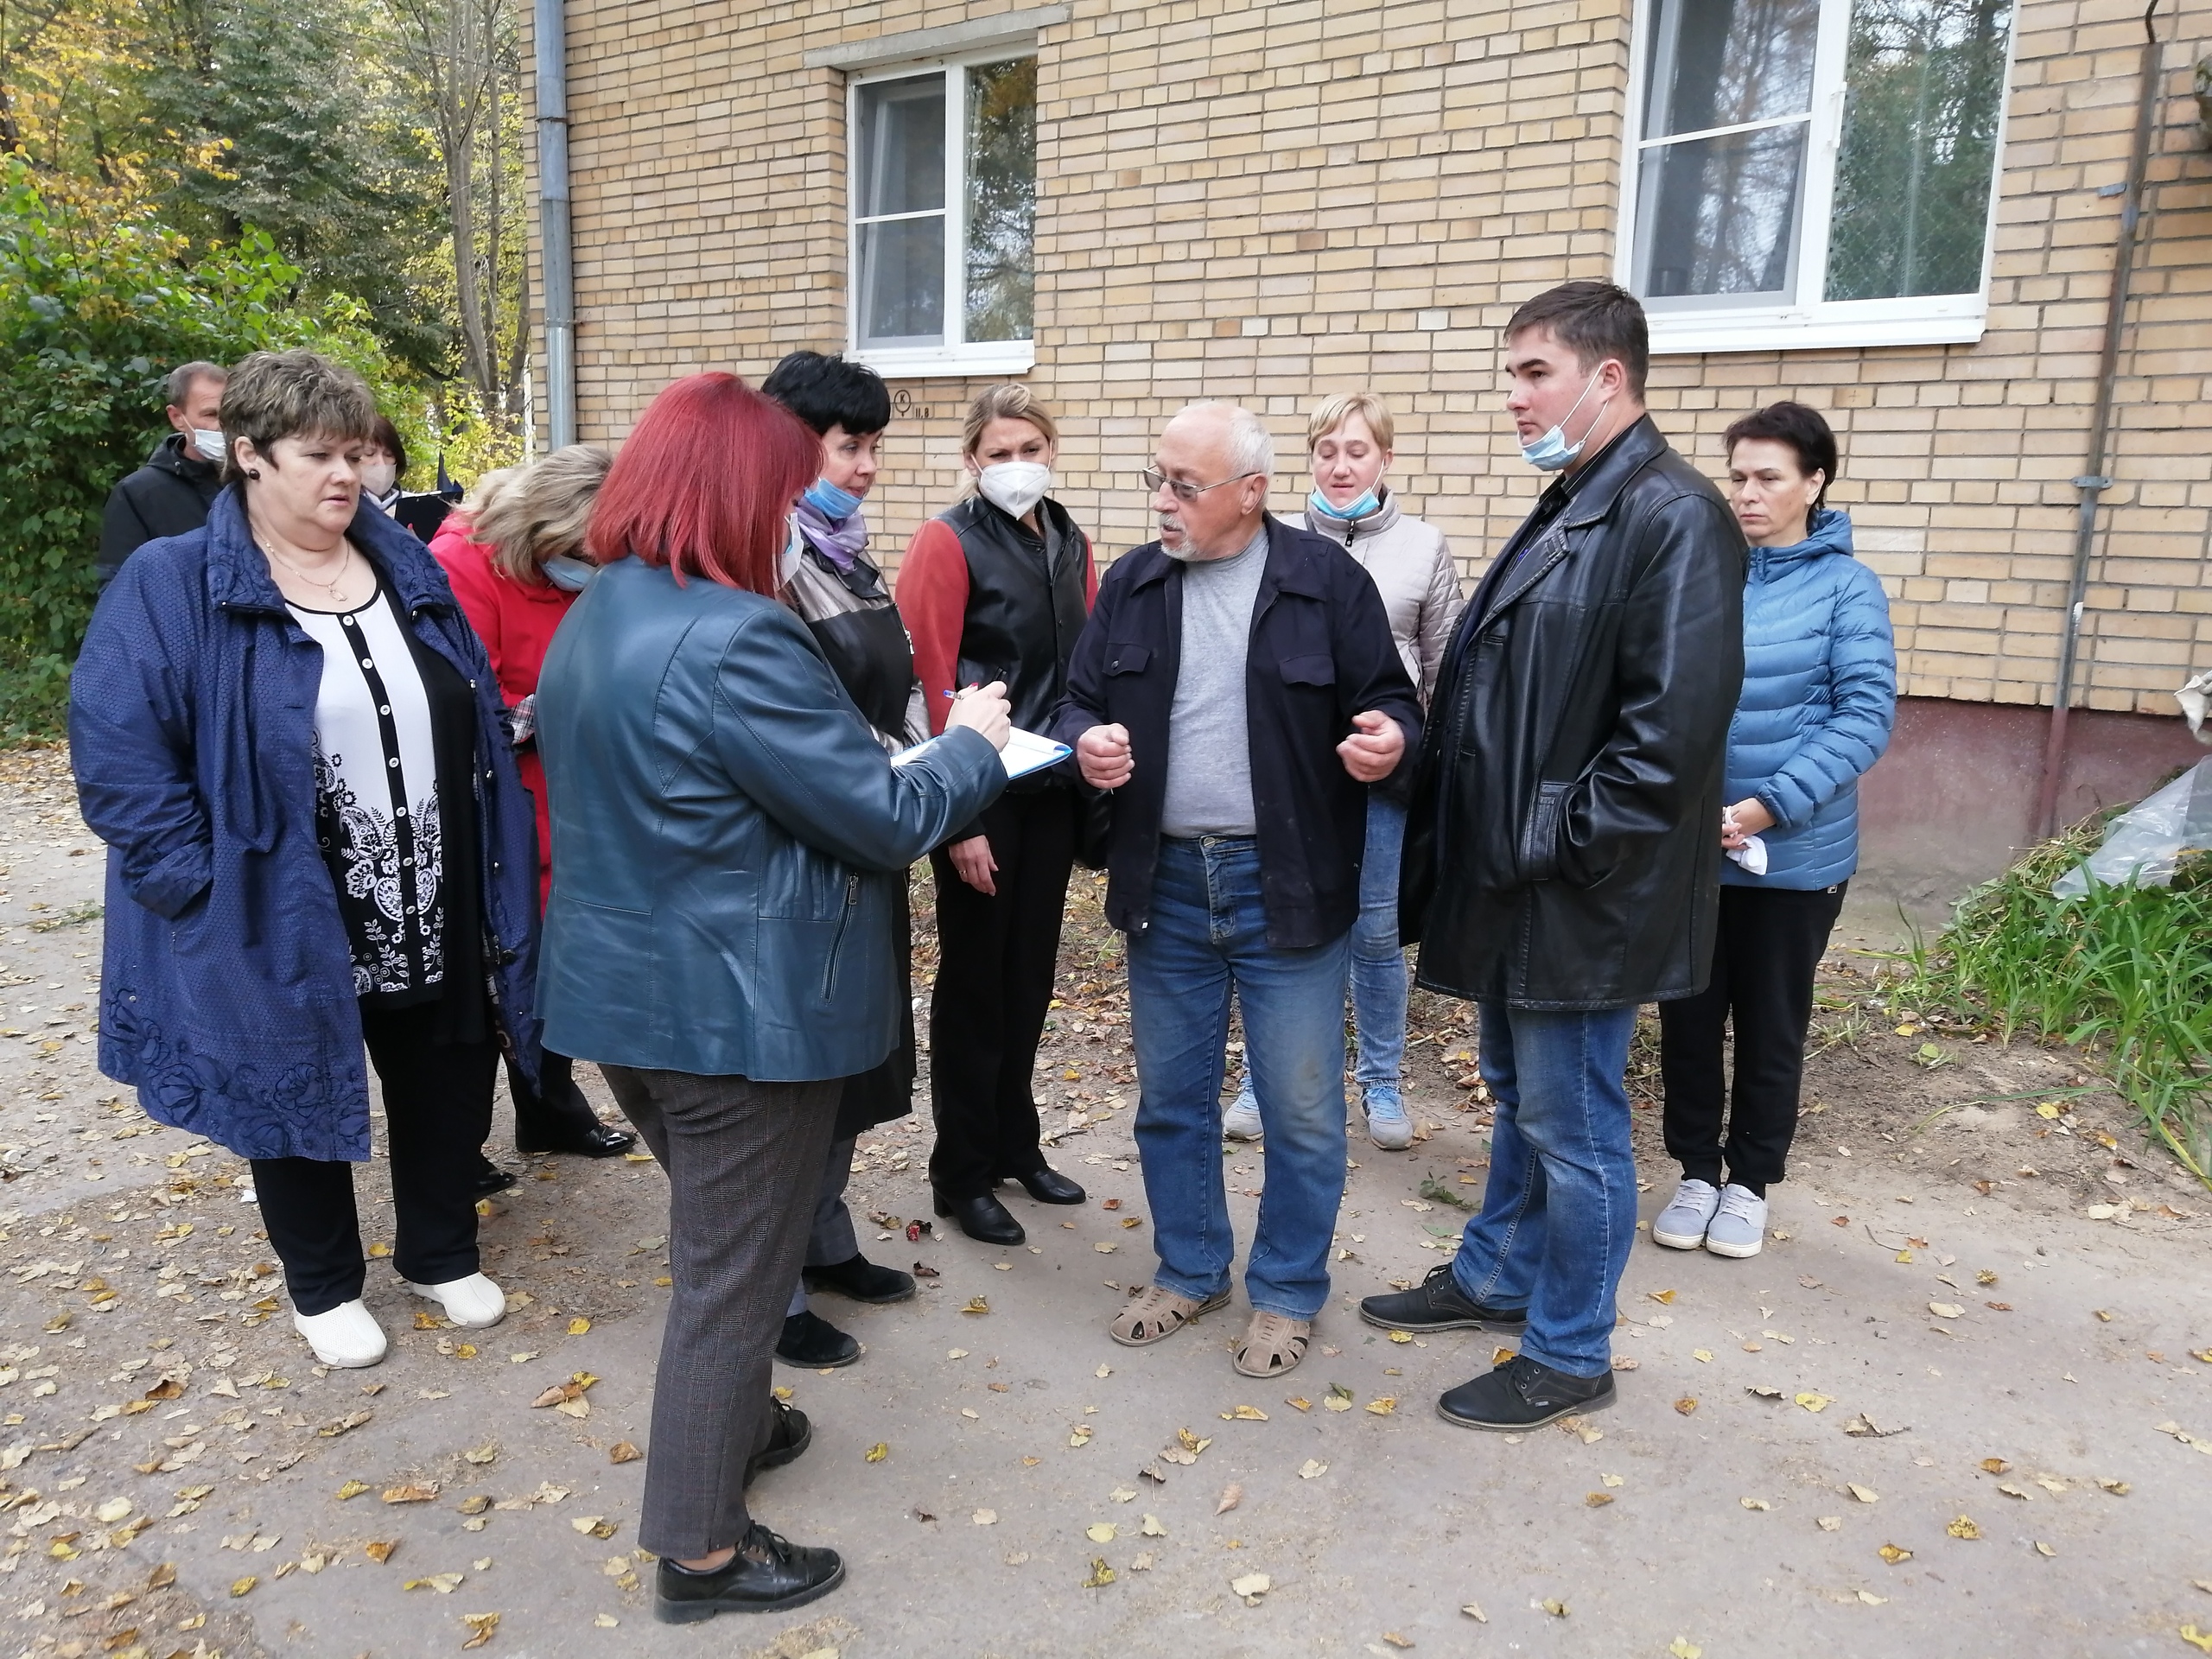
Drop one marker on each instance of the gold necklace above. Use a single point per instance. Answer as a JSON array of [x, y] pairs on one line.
[[331, 587]]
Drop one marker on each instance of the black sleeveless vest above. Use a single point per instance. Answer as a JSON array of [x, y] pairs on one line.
[[1022, 617]]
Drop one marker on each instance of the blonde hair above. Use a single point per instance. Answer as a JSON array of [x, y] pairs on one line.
[[1336, 409], [1007, 401], [528, 515]]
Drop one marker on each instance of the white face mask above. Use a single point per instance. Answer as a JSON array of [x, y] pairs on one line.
[[378, 477], [1015, 486], [207, 445]]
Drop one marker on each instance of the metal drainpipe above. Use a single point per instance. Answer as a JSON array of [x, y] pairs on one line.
[[2094, 481], [558, 274]]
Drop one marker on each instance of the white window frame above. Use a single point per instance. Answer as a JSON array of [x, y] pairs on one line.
[[1804, 322], [961, 357]]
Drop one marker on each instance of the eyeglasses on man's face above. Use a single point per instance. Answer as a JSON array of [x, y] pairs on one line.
[[1155, 481]]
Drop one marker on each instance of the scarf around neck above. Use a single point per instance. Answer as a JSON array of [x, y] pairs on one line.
[[840, 543]]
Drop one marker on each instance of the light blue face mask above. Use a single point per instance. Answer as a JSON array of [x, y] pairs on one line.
[[1345, 515], [1552, 451], [832, 503]]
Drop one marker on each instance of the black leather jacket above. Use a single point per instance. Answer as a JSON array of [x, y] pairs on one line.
[[1563, 846]]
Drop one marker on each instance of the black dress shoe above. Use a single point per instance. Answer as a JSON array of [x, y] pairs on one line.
[[810, 1340], [1523, 1393], [601, 1140], [1438, 1304], [1050, 1186], [983, 1218], [766, 1575], [791, 1435], [489, 1180], [861, 1279]]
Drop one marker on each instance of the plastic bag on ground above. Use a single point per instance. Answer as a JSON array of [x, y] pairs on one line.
[[2144, 844]]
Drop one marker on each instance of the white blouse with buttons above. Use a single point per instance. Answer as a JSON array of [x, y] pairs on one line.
[[377, 795]]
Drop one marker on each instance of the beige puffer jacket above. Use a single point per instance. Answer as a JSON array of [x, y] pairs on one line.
[[1413, 568]]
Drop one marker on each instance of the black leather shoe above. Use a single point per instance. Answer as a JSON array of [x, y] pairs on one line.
[[601, 1140], [810, 1340], [1438, 1304], [491, 1179], [983, 1218], [861, 1279], [791, 1435], [766, 1575], [1050, 1186], [1522, 1394]]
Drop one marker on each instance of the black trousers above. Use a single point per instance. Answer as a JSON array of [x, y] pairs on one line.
[[437, 1106], [1770, 943], [993, 982], [554, 1114]]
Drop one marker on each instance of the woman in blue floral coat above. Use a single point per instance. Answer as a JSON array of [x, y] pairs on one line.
[[287, 733]]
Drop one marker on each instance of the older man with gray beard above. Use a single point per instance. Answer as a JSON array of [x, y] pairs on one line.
[[1238, 688]]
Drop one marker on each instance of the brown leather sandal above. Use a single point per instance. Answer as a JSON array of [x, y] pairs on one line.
[[1273, 1344], [1156, 1314]]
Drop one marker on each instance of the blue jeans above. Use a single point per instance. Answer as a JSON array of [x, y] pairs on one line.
[[1379, 960], [1560, 1142], [1208, 937]]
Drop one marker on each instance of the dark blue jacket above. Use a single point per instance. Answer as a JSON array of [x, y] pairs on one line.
[[227, 991], [1321, 652], [730, 842], [1819, 692]]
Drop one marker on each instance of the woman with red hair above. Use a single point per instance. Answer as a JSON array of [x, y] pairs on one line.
[[728, 843]]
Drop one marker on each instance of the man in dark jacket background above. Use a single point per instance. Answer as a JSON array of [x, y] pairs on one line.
[[1562, 856], [1238, 686], [170, 495]]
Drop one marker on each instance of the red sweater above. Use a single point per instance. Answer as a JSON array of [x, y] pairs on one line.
[[516, 624], [931, 593]]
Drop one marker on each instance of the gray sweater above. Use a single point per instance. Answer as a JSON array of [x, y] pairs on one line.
[[1209, 789], [1413, 570]]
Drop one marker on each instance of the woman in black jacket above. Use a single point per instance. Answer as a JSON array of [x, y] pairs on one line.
[[998, 588], [839, 593]]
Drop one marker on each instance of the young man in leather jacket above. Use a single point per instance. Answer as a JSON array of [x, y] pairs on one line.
[[1561, 866]]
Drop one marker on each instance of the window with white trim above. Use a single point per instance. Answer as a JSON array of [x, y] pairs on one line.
[[943, 194], [1814, 172]]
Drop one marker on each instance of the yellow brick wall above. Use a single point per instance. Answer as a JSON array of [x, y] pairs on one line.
[[1259, 202]]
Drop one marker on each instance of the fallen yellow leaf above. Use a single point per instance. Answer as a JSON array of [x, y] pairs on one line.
[[352, 1489], [1556, 1609], [1101, 1574], [1682, 1648], [1251, 1584], [1864, 1494], [1892, 1555], [481, 1625], [1245, 1414], [1401, 1336], [576, 1328], [379, 1549], [1815, 1401], [1597, 1500], [2201, 1640], [1663, 1296], [1384, 1405], [1963, 1526], [623, 1452], [1686, 1404], [1103, 1532], [878, 1453]]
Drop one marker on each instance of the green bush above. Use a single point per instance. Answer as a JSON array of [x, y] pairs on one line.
[[97, 304], [2124, 971]]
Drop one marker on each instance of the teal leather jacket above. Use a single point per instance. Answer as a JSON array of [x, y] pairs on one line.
[[727, 838]]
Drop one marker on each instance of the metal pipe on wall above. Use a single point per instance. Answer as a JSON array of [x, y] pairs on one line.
[[2094, 481], [557, 271]]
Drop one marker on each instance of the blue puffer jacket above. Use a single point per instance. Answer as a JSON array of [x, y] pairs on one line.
[[1820, 691], [226, 995]]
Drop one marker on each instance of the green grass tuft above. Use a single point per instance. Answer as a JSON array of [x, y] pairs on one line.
[[2122, 972]]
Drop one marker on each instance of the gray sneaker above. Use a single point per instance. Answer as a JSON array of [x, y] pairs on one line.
[[1387, 1126], [1738, 1226], [1682, 1224], [1242, 1121]]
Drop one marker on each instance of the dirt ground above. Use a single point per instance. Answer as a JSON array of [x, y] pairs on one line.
[[1953, 1409]]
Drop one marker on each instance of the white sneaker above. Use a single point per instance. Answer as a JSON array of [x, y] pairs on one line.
[[349, 1337], [1738, 1226], [1681, 1224], [474, 1302], [1242, 1121]]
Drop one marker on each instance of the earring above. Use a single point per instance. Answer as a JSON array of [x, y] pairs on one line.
[[254, 473]]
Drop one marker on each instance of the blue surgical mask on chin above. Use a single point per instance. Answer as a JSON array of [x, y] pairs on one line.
[[1552, 451], [832, 503], [1346, 514]]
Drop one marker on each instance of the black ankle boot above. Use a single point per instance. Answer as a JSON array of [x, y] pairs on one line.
[[983, 1218], [810, 1340]]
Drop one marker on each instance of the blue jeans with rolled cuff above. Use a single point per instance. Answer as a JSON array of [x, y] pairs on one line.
[[1559, 1211], [1378, 959], [1207, 938]]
